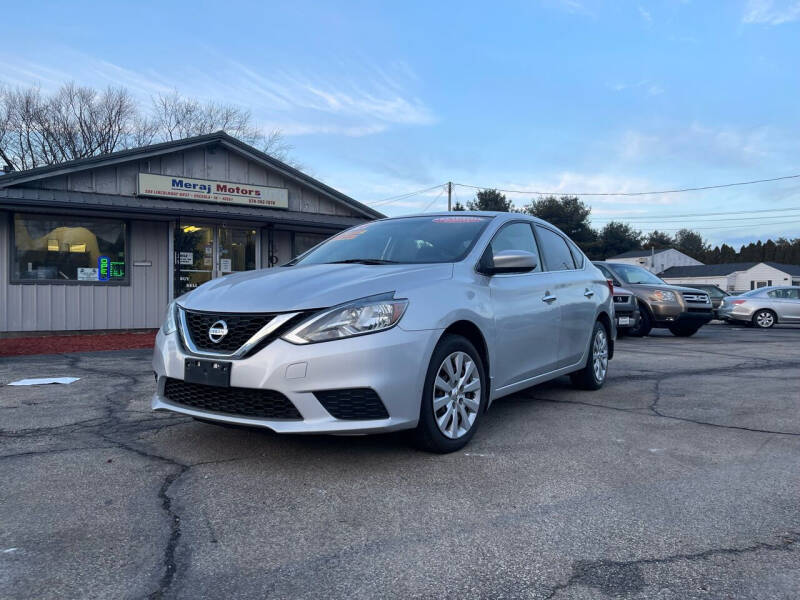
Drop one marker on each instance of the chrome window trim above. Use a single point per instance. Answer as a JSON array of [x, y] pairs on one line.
[[256, 338]]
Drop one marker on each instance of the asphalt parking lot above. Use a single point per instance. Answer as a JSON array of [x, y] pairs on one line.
[[680, 479]]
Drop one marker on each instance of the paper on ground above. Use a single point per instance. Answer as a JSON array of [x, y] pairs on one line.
[[44, 380]]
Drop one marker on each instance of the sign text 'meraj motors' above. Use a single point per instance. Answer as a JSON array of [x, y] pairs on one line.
[[225, 192]]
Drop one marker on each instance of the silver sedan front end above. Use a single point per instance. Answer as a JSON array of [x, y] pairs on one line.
[[362, 384]]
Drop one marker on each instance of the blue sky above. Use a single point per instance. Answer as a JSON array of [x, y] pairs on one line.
[[383, 98]]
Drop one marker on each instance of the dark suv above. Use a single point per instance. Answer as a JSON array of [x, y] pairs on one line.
[[682, 310]]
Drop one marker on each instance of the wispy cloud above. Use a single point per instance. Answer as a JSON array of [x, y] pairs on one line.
[[575, 7], [650, 87], [353, 98], [645, 14], [771, 12], [718, 146]]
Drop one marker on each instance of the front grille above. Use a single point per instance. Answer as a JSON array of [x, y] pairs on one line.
[[698, 298], [622, 299], [355, 404], [243, 402], [699, 310], [241, 327]]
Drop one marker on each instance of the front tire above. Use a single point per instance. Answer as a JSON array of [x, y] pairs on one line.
[[593, 375], [454, 396], [764, 319]]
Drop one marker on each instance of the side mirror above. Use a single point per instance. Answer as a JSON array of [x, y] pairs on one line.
[[512, 261]]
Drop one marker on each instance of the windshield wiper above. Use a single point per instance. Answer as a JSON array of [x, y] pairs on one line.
[[362, 261]]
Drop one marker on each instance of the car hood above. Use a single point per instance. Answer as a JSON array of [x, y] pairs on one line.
[[284, 289]]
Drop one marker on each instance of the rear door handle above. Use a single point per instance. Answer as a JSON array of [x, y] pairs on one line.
[[549, 298], [588, 293]]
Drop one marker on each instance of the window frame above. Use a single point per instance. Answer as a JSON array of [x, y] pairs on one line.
[[12, 252], [566, 243]]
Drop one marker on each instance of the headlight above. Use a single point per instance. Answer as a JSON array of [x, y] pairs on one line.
[[170, 324], [662, 296], [357, 318]]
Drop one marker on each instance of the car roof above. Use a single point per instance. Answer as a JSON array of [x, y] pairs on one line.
[[504, 216]]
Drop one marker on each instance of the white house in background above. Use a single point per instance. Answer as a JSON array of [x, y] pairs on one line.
[[735, 277], [655, 261]]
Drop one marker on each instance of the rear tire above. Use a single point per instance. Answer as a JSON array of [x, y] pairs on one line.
[[764, 319], [683, 331], [644, 326], [593, 375], [454, 396]]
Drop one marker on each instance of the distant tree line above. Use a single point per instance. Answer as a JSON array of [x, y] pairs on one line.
[[571, 215], [72, 122]]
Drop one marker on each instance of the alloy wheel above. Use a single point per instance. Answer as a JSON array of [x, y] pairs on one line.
[[456, 395], [600, 355], [765, 319]]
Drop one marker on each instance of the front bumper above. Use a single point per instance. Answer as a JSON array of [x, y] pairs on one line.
[[666, 314], [626, 312], [393, 363]]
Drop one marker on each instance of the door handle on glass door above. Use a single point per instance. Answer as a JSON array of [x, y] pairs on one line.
[[549, 298], [588, 293]]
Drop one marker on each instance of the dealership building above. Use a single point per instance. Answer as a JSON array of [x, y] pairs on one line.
[[104, 243]]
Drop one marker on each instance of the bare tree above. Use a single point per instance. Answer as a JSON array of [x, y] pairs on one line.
[[78, 121]]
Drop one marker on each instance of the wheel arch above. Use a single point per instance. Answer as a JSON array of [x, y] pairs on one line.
[[473, 333]]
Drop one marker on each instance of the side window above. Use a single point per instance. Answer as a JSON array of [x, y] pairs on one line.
[[783, 293], [556, 253], [577, 255], [515, 236]]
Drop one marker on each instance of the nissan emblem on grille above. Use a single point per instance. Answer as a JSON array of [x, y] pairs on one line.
[[218, 331]]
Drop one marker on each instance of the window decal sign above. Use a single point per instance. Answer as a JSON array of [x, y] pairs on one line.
[[207, 190], [103, 268]]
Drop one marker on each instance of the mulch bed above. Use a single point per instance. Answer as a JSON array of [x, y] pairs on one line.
[[83, 342]]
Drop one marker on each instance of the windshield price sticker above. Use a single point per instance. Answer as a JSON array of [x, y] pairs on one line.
[[458, 220], [352, 233]]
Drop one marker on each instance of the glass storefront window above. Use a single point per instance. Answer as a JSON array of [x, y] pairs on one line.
[[64, 249]]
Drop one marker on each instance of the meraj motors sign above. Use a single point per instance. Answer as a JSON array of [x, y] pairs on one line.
[[224, 192]]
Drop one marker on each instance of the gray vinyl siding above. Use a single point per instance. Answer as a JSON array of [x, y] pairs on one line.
[[201, 163], [68, 307]]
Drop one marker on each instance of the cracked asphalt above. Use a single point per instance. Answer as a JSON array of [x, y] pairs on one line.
[[680, 479]]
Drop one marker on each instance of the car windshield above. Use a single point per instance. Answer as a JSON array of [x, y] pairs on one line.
[[410, 240], [632, 274]]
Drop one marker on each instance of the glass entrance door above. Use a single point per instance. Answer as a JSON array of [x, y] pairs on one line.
[[237, 250], [203, 252], [194, 257]]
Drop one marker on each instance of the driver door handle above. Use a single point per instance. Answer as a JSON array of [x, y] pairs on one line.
[[588, 293], [549, 298]]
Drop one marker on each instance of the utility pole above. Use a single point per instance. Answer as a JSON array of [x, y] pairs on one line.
[[449, 196]]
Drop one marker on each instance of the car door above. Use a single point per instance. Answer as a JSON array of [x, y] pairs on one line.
[[577, 293], [526, 313]]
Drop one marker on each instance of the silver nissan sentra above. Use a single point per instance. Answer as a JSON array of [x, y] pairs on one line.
[[417, 322]]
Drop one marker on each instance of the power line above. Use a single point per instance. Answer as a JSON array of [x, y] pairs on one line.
[[648, 221], [731, 226], [402, 196], [672, 191], [432, 202]]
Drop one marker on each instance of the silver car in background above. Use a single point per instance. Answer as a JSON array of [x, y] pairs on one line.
[[408, 323], [763, 307]]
